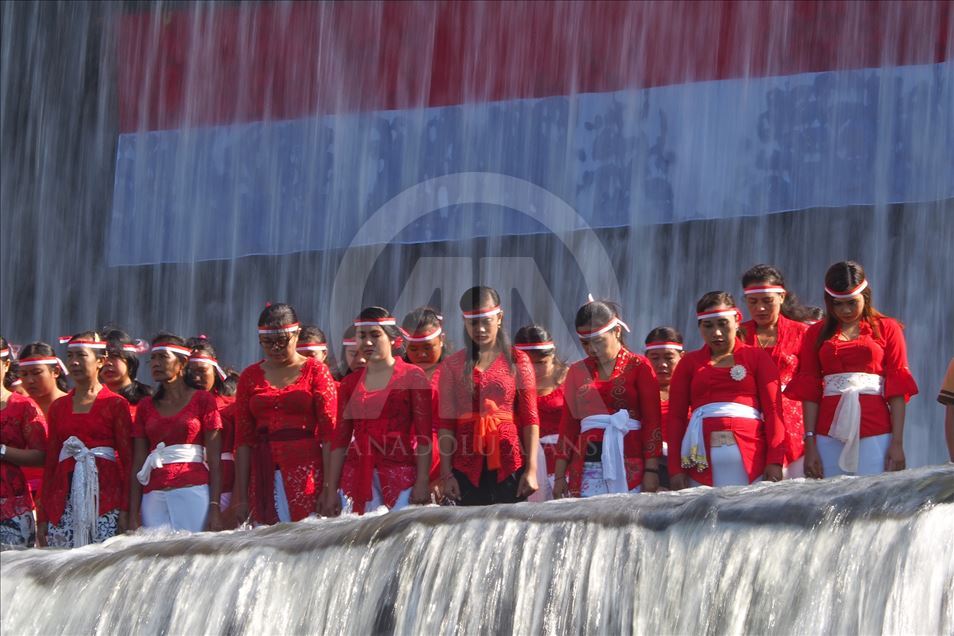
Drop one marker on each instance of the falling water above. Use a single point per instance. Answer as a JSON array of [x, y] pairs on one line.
[[849, 556]]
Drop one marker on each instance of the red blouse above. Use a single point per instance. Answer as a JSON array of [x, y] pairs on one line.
[[188, 426], [631, 386], [784, 354], [295, 420], [107, 423], [884, 354], [695, 383], [387, 426], [226, 405], [550, 408], [462, 397], [23, 426]]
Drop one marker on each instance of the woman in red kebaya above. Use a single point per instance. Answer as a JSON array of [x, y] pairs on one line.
[[386, 409], [44, 378], [610, 434], [426, 348], [312, 343], [207, 374], [121, 366], [664, 350], [854, 382], [285, 410], [735, 435], [777, 326], [488, 402], [88, 444], [22, 444], [176, 448], [550, 373]]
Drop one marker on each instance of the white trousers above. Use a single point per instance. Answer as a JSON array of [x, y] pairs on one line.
[[871, 454], [403, 500], [225, 500], [727, 467], [593, 483], [177, 509], [281, 500], [795, 470]]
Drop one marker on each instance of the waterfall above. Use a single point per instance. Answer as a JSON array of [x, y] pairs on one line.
[[844, 556]]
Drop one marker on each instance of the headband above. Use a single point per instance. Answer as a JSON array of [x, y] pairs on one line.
[[534, 346], [612, 324], [33, 361], [311, 347], [424, 337], [86, 344], [851, 293], [663, 344], [722, 313], [764, 289], [283, 329], [174, 349], [482, 313], [204, 359]]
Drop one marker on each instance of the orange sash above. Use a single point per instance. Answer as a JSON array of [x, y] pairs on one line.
[[487, 431]]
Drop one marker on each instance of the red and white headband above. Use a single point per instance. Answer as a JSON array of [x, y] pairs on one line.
[[34, 361], [375, 322], [264, 331], [663, 344], [312, 347], [349, 342], [212, 362], [174, 349], [721, 313], [5, 352], [424, 337], [482, 313], [764, 289], [851, 293], [612, 324], [534, 346], [86, 344]]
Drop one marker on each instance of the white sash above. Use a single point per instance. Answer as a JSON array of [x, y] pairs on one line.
[[615, 427], [693, 442], [550, 439], [227, 457], [846, 424], [175, 454], [84, 492]]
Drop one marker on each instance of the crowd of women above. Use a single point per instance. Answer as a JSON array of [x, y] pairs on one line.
[[792, 392]]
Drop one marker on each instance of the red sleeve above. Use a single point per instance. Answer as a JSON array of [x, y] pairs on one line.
[[680, 399], [325, 396], [650, 409], [898, 381], [52, 458], [344, 428], [447, 402], [244, 420], [139, 422], [421, 407], [122, 425], [525, 399], [211, 418], [569, 422], [34, 427], [770, 403], [807, 383]]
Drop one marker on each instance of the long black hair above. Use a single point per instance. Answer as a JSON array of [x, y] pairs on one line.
[[472, 300]]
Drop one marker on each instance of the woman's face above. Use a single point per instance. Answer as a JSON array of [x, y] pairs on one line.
[[202, 375], [848, 310], [115, 370], [39, 380], [544, 363], [321, 355], [664, 362], [374, 344], [483, 331], [279, 347], [719, 332], [166, 366], [604, 347], [425, 354], [83, 364], [353, 359], [765, 308]]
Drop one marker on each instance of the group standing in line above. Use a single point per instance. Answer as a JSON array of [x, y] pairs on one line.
[[405, 421]]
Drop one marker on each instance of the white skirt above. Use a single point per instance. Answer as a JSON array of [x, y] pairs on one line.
[[176, 509], [727, 467], [871, 454], [592, 482]]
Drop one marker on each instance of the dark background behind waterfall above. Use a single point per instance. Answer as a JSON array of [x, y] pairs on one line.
[[59, 132]]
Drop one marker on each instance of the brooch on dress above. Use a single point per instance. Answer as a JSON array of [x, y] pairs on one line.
[[737, 373]]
